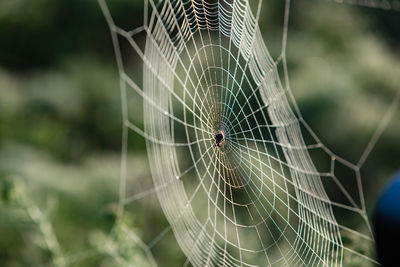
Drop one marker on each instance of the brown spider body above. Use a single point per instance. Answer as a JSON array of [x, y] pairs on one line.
[[219, 139]]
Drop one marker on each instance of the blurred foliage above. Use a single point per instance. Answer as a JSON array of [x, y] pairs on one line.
[[45, 33], [60, 120]]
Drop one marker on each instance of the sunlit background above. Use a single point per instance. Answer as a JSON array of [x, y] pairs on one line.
[[60, 120]]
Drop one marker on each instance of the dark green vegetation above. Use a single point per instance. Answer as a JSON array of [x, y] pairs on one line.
[[60, 119]]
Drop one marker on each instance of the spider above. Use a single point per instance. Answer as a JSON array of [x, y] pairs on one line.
[[219, 139]]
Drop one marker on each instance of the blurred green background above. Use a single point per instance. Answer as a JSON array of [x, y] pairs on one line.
[[60, 120]]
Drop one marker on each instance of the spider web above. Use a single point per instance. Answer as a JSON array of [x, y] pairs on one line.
[[257, 196]]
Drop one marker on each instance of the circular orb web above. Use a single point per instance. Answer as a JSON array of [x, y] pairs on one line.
[[237, 183]]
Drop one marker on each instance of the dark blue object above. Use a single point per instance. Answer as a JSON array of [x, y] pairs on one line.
[[387, 224]]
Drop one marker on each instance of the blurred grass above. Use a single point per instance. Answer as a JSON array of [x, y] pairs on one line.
[[60, 118]]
